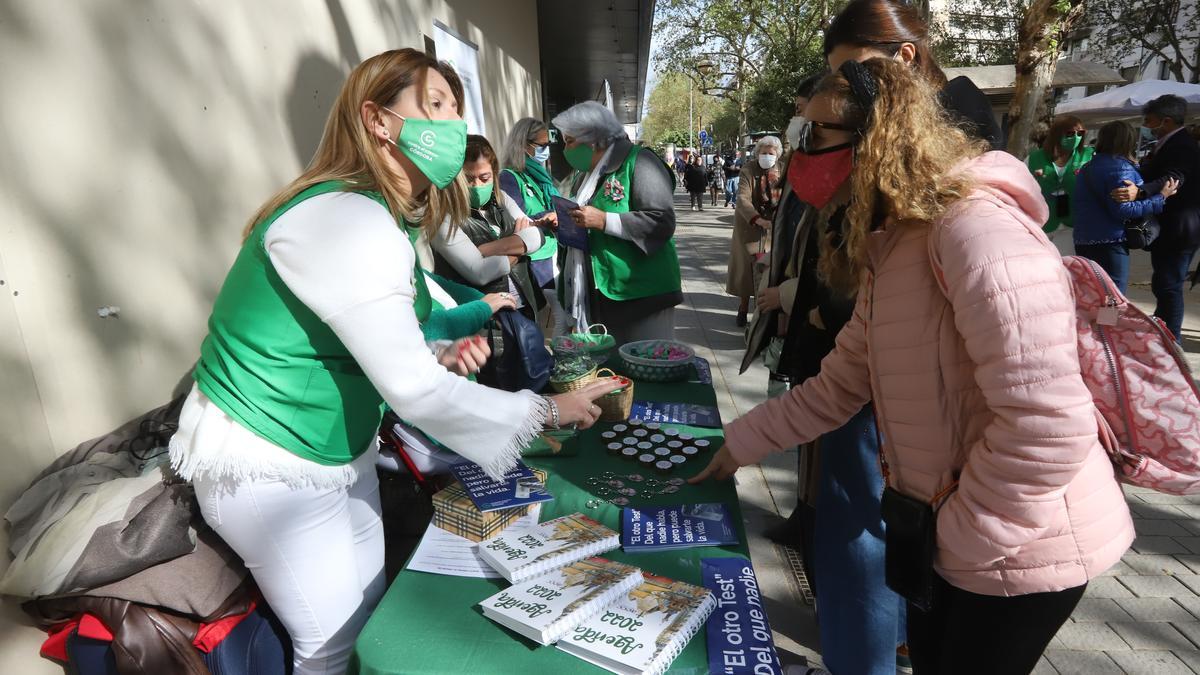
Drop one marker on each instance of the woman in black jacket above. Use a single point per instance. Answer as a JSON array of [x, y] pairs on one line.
[[695, 179]]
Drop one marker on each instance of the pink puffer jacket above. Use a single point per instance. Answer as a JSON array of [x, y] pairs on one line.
[[979, 382]]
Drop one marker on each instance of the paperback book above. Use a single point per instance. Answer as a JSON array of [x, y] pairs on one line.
[[667, 528], [522, 553], [519, 488], [691, 414], [569, 232], [645, 629], [548, 607], [739, 635]]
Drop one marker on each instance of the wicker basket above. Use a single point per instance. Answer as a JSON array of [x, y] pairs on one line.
[[656, 370], [615, 406], [595, 343], [576, 384]]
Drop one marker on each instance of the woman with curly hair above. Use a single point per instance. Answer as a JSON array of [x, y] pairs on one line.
[[1000, 502]]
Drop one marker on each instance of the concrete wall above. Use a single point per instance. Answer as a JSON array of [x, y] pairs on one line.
[[135, 139]]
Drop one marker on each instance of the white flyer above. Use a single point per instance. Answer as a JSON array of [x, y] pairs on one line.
[[441, 552]]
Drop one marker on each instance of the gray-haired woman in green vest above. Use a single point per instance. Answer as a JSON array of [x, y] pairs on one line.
[[628, 279], [316, 326]]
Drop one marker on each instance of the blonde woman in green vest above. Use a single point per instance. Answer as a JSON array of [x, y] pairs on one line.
[[526, 179], [1055, 165], [628, 279], [317, 326]]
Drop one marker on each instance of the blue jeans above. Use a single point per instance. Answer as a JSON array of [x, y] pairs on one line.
[[731, 188], [1112, 258], [1170, 272], [861, 620]]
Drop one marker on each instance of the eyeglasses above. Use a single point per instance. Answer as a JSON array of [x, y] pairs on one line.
[[806, 133]]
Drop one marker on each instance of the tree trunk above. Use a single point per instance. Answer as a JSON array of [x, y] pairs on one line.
[[1038, 44]]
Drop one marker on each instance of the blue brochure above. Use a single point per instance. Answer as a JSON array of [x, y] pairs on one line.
[[520, 487], [703, 370], [671, 527], [739, 636], [569, 232], [691, 414]]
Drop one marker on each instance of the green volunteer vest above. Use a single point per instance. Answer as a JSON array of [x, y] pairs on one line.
[[1050, 182], [535, 202], [273, 366], [621, 270]]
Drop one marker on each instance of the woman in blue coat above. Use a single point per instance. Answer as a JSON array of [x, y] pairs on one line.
[[1099, 221]]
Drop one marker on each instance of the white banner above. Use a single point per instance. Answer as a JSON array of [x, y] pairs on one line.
[[464, 56]]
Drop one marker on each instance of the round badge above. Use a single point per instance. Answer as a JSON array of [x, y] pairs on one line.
[[629, 453], [619, 427], [614, 448], [635, 422], [647, 458], [628, 492], [618, 484], [689, 451], [641, 433], [635, 477], [678, 459], [671, 432], [686, 437], [653, 425], [674, 445], [608, 434], [701, 442], [620, 501], [676, 482], [629, 440], [644, 445], [662, 452], [663, 466], [658, 438]]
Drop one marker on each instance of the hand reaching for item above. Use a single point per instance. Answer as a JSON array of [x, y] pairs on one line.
[[466, 356], [1171, 187], [722, 466], [499, 301], [577, 407]]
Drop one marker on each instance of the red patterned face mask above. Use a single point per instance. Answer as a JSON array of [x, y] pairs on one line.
[[816, 177]]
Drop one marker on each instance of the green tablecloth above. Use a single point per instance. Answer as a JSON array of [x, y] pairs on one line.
[[428, 623]]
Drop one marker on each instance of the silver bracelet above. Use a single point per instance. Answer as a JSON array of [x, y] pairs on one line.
[[553, 412]]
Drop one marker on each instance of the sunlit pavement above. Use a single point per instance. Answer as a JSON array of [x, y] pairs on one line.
[[1142, 617]]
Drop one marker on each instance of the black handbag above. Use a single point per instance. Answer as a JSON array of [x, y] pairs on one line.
[[520, 359], [910, 538]]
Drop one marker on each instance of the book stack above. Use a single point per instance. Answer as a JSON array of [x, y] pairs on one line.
[[479, 508], [608, 613]]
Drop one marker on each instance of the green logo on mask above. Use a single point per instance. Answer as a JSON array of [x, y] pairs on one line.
[[436, 147]]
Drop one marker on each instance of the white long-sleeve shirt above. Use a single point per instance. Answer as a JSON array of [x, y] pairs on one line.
[[344, 257]]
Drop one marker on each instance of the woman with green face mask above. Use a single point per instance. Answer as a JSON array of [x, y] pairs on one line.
[[493, 256], [316, 327], [1055, 165], [628, 276]]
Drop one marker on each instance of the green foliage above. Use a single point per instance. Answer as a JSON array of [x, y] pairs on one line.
[[1160, 29], [666, 119], [978, 33], [758, 51]]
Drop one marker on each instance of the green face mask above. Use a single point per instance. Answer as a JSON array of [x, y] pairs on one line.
[[1069, 143], [579, 157], [436, 147], [481, 194]]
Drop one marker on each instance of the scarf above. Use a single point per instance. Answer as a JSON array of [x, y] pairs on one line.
[[535, 170]]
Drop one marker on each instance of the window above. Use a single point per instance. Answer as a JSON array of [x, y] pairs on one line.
[[1164, 71], [1094, 89], [1129, 74]]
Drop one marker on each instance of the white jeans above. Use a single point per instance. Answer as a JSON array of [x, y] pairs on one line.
[[316, 554]]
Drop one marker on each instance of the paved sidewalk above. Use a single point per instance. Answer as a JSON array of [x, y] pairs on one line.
[[1143, 616]]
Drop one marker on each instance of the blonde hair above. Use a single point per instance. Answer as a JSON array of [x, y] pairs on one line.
[[348, 150], [903, 164]]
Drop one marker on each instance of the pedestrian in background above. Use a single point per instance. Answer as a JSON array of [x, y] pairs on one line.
[[694, 179], [1176, 156], [733, 169], [1055, 165], [1099, 232], [757, 197]]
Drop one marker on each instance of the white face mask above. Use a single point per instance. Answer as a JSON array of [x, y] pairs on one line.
[[767, 161], [793, 131]]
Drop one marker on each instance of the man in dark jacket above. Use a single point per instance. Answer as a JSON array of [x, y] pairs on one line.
[[1175, 155]]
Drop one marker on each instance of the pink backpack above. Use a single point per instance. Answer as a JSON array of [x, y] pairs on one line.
[[1148, 404]]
